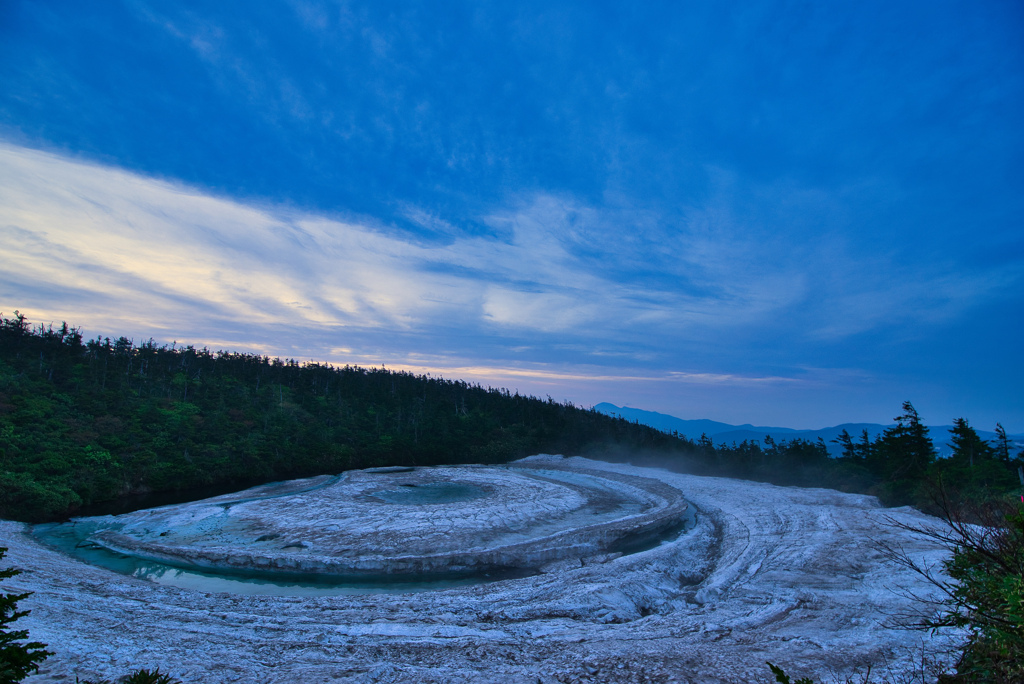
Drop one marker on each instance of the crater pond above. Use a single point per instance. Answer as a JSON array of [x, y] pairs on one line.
[[387, 530]]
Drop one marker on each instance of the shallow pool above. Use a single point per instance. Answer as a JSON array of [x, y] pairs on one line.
[[430, 493], [511, 508], [72, 539]]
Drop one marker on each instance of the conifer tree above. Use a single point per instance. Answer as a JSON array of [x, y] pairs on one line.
[[18, 659], [846, 442], [904, 452], [865, 447], [1002, 444], [968, 447], [975, 469]]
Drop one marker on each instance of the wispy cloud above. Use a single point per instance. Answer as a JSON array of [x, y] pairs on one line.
[[163, 255], [166, 252]]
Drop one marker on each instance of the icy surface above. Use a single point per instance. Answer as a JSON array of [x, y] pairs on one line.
[[781, 574], [443, 520]]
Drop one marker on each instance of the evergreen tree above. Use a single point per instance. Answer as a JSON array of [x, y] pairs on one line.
[[846, 442], [1002, 449], [904, 453], [865, 447], [968, 447], [17, 658], [974, 468]]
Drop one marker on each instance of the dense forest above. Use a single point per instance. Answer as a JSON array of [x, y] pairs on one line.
[[84, 422], [90, 421]]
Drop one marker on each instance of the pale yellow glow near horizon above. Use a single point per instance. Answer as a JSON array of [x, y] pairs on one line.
[[159, 248], [582, 374], [160, 253]]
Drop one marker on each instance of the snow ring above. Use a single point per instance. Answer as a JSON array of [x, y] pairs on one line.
[[402, 522]]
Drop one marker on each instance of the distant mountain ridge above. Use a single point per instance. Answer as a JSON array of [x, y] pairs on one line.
[[724, 433]]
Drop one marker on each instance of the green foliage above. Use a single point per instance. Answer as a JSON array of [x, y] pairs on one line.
[[142, 676], [1002, 445], [983, 586], [968, 447], [83, 423], [150, 677], [18, 658], [901, 457], [987, 595], [782, 678], [976, 467]]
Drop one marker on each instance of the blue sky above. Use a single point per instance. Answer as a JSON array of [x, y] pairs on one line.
[[786, 213]]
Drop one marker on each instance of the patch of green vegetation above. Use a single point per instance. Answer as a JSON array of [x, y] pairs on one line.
[[142, 676], [18, 658], [87, 422]]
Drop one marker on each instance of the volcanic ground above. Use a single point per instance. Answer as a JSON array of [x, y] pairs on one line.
[[608, 586]]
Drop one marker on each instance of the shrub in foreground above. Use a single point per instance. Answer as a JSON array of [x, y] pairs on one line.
[[18, 658]]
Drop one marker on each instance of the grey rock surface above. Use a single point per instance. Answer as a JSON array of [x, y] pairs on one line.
[[782, 574], [404, 521]]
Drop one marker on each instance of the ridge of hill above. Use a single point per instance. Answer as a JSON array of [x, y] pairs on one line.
[[93, 422]]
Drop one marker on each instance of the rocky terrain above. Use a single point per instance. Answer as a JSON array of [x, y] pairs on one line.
[[403, 521], [789, 575]]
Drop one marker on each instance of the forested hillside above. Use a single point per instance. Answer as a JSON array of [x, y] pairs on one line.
[[84, 422], [90, 421]]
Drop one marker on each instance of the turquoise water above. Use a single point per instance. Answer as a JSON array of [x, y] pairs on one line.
[[430, 493], [72, 539]]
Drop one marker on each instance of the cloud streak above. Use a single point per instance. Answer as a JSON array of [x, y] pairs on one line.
[[163, 253], [116, 234]]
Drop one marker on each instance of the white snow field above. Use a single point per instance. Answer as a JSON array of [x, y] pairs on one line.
[[787, 575], [404, 521]]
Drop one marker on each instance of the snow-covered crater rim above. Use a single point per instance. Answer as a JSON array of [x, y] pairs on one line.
[[533, 513]]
